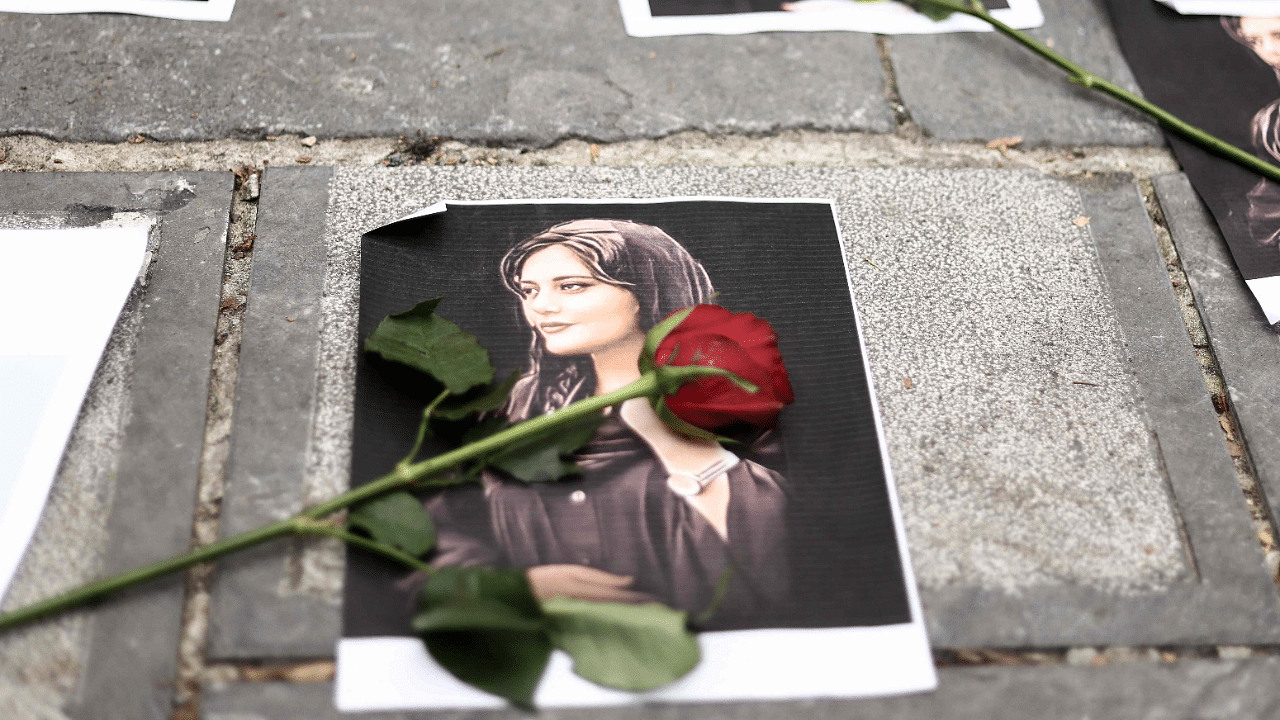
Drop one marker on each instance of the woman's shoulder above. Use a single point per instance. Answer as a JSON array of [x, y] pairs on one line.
[[764, 477]]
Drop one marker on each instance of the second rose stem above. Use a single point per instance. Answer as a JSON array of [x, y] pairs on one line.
[[1084, 78]]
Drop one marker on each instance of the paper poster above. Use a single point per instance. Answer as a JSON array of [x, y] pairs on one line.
[[63, 290], [216, 10], [1219, 74], [821, 601], [1238, 8], [651, 18]]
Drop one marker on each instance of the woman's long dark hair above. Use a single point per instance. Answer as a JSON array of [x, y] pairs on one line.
[[645, 260]]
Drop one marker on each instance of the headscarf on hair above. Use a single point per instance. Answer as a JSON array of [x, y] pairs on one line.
[[662, 275]]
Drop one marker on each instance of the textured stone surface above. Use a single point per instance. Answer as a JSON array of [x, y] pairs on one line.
[[501, 71], [1028, 450], [135, 454], [1189, 690], [981, 86], [1247, 349]]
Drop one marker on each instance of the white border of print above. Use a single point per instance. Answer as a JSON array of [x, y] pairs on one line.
[[95, 269], [1239, 8], [886, 18], [396, 673], [214, 10]]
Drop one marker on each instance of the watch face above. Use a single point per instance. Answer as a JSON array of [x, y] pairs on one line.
[[684, 484]]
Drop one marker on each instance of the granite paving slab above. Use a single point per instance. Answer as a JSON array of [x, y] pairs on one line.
[[1189, 690], [1246, 348], [1062, 475], [489, 71], [982, 86], [125, 491]]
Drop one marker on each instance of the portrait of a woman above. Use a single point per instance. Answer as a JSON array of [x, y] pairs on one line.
[[654, 515]]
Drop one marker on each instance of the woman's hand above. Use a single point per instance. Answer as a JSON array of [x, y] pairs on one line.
[[582, 582]]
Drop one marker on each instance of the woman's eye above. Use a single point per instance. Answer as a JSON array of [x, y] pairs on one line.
[[528, 292]]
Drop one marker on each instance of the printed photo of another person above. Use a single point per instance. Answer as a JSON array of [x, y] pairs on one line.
[[1262, 36]]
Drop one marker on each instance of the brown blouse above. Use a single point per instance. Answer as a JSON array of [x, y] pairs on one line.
[[620, 516]]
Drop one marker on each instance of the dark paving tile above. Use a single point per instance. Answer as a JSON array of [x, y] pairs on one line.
[[503, 71], [1247, 349], [981, 86]]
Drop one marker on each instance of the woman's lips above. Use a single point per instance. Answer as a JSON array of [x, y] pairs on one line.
[[552, 328]]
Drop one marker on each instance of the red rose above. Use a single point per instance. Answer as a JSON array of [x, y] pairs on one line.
[[743, 344]]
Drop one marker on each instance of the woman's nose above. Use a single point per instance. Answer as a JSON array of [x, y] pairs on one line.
[[544, 303]]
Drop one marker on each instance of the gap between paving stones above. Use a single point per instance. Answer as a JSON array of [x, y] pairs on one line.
[[1264, 524], [237, 262], [905, 126], [907, 148], [799, 147]]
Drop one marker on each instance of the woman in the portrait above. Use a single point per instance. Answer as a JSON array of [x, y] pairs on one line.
[[654, 515]]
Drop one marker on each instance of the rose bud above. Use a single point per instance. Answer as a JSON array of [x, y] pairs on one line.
[[740, 343]]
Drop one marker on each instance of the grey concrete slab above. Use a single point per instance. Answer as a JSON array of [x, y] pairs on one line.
[[124, 663], [1247, 349], [275, 397], [981, 86], [1189, 690], [500, 71], [1060, 479]]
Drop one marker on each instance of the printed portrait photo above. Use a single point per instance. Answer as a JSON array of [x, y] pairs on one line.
[[787, 524], [563, 295], [1218, 74], [649, 18]]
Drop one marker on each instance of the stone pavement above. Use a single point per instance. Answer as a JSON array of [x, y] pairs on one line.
[[1086, 455]]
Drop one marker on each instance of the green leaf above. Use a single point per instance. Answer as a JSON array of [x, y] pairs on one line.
[[398, 520], [549, 455], [484, 626], [629, 647], [425, 341], [930, 10], [491, 398]]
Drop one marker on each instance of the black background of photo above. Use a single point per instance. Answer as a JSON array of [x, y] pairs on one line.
[[1190, 66], [780, 261], [668, 8]]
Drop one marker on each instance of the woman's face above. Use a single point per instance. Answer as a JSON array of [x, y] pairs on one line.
[[1263, 35], [573, 311]]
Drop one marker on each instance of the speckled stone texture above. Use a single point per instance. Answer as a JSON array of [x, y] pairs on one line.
[[492, 71], [986, 294], [1025, 449]]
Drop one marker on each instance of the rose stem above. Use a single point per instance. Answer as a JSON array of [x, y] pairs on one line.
[[314, 527], [305, 522], [1084, 78]]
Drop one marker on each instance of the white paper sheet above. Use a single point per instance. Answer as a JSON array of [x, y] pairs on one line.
[[886, 18], [61, 290], [215, 10], [1239, 8], [397, 673]]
